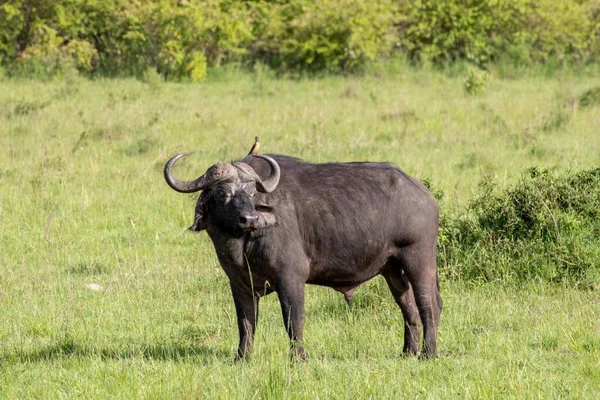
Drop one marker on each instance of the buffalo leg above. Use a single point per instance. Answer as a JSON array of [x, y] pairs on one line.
[[246, 309], [404, 297], [419, 263], [291, 298]]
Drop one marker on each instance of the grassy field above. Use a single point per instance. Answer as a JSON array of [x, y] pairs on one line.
[[83, 201]]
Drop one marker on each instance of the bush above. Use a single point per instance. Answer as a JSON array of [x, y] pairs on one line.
[[48, 57], [446, 30], [557, 31], [340, 35], [546, 228], [196, 67], [482, 31], [590, 97], [181, 38], [12, 22], [475, 81]]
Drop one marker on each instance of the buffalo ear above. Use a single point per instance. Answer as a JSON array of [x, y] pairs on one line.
[[199, 223], [200, 219], [266, 216]]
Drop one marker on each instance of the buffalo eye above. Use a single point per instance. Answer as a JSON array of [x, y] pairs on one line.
[[223, 196], [250, 190]]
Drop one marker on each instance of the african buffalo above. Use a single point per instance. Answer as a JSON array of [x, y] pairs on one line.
[[278, 223]]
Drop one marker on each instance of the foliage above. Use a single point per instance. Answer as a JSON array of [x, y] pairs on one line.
[[546, 227], [556, 31], [482, 31], [447, 30], [196, 67], [48, 57], [312, 35], [11, 23], [182, 38], [475, 80], [590, 97]]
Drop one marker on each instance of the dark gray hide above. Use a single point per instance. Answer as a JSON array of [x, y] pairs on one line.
[[336, 225]]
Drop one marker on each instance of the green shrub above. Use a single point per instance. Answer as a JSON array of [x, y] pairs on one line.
[[196, 67], [182, 38], [546, 227], [339, 35], [12, 23], [83, 55], [153, 79], [556, 31], [45, 57], [475, 81], [480, 31], [446, 30], [590, 97]]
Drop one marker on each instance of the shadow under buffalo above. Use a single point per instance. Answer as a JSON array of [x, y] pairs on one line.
[[162, 352]]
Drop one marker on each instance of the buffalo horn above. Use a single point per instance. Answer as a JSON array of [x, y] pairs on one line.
[[184, 186], [269, 184]]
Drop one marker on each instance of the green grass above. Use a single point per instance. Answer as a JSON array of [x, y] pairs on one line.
[[152, 340], [83, 201]]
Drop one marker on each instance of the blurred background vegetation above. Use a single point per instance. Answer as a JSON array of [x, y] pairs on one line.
[[180, 39]]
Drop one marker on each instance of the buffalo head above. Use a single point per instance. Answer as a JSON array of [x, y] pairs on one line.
[[228, 201]]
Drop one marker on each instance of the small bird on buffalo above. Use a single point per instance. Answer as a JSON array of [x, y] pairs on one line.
[[255, 146]]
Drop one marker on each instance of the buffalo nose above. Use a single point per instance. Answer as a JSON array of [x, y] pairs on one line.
[[247, 218]]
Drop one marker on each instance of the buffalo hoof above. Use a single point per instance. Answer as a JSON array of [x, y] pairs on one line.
[[239, 357], [298, 354], [408, 353], [428, 356]]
